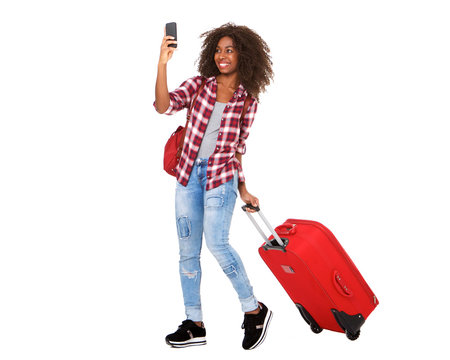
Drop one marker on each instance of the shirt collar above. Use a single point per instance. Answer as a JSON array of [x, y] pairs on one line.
[[239, 92]]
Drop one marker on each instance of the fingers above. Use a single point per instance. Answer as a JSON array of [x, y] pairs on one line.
[[168, 40], [254, 202], [166, 50]]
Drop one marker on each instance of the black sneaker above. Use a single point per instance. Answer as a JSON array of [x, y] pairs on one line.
[[256, 327], [188, 334]]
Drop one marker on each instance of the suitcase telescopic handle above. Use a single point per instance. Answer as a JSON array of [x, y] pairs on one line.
[[263, 218], [250, 206]]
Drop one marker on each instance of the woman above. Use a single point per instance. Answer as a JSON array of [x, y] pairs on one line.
[[234, 63]]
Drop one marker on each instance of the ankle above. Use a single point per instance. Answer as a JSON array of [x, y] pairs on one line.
[[199, 324], [254, 312]]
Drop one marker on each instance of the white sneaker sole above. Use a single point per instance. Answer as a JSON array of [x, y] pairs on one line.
[[191, 342]]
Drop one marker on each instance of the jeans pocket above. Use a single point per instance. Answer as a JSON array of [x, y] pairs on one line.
[[214, 201]]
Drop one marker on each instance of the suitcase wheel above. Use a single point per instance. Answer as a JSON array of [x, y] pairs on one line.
[[351, 324], [352, 336], [315, 328]]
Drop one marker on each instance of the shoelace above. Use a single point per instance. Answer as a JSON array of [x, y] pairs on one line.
[[184, 325], [249, 323]]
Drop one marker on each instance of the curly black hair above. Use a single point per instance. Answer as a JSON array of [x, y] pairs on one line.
[[255, 64]]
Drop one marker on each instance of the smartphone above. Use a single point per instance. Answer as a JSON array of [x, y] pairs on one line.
[[171, 30]]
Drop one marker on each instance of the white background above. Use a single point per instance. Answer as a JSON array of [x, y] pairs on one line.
[[352, 133]]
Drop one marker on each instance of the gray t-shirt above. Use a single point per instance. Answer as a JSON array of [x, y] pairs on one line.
[[212, 131]]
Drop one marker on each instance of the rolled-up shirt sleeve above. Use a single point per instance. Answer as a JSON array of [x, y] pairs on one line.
[[181, 97], [246, 125]]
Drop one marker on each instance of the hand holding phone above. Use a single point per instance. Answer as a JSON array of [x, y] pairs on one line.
[[171, 30], [168, 44]]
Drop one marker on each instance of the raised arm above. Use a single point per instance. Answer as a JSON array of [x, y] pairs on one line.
[[162, 99]]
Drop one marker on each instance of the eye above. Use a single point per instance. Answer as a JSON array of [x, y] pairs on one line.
[[229, 51]]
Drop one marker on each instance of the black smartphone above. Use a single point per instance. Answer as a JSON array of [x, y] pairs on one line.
[[171, 30]]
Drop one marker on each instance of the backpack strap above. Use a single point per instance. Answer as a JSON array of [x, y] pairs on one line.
[[188, 117], [194, 99], [247, 102]]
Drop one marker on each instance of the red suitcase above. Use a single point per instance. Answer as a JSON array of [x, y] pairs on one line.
[[318, 275]]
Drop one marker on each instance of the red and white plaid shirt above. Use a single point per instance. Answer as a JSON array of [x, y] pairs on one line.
[[222, 163]]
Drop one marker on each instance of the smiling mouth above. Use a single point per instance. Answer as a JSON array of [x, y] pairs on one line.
[[223, 65]]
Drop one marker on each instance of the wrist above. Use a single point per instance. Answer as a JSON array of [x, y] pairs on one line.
[[242, 188], [162, 64]]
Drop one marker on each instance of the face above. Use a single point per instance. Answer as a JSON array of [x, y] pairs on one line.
[[226, 56]]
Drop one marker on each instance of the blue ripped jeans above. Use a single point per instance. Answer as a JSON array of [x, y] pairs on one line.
[[209, 212]]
